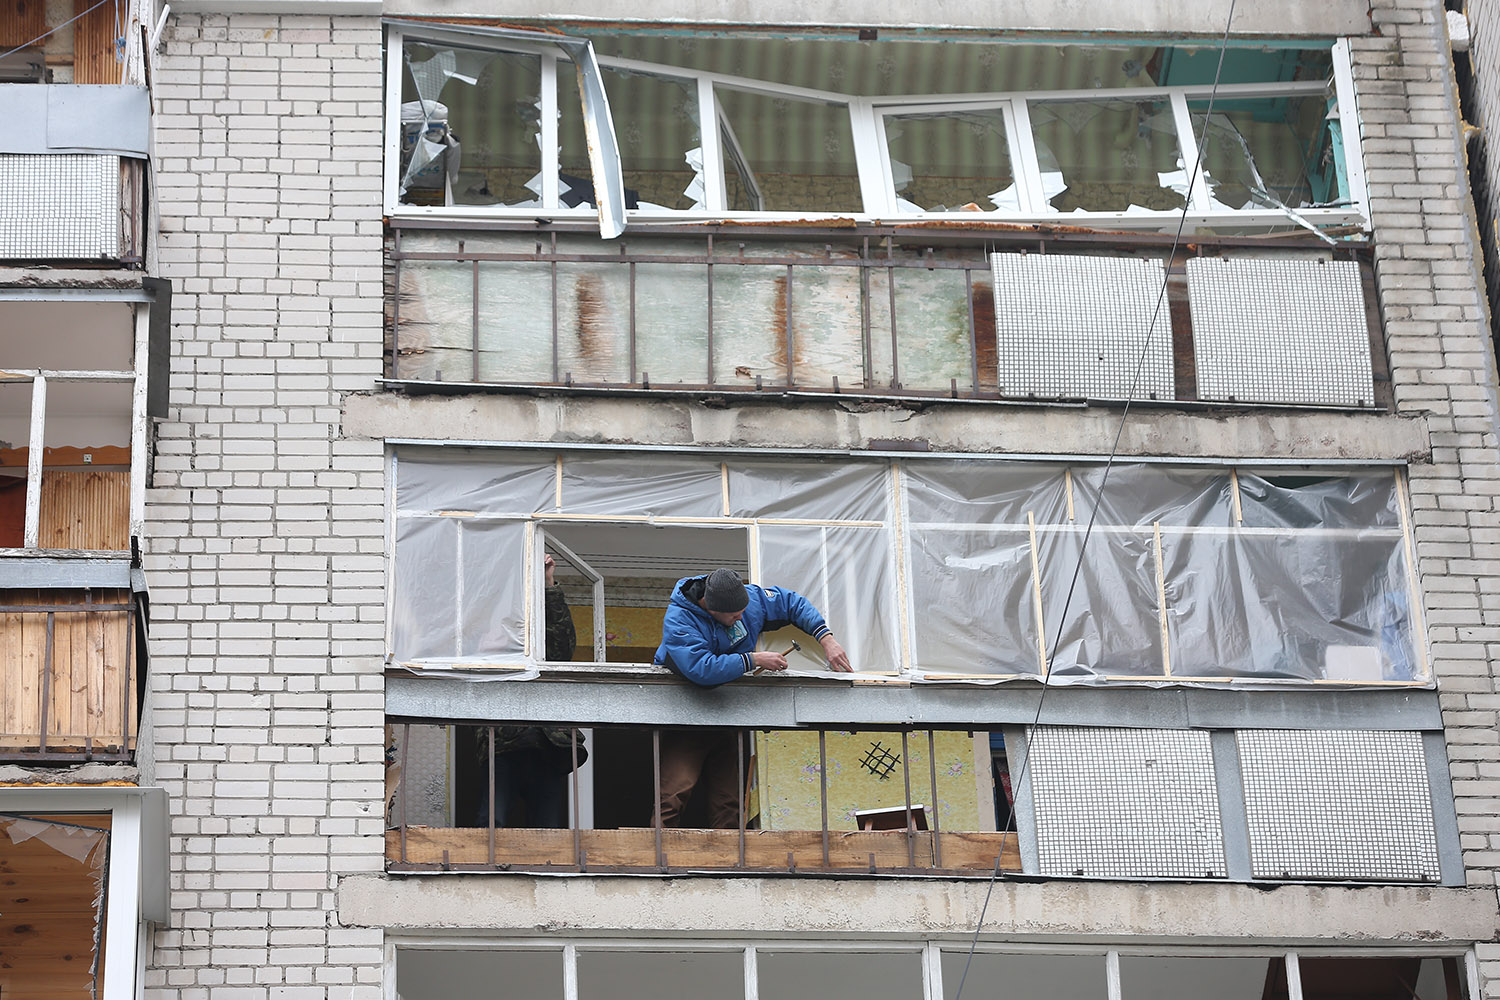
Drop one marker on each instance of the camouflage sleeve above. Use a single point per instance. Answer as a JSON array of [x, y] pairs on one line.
[[561, 636]]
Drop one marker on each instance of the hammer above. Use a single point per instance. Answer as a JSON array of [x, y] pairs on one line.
[[794, 647]]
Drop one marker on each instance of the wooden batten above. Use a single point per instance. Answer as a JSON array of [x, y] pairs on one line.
[[94, 35], [848, 850], [22, 22]]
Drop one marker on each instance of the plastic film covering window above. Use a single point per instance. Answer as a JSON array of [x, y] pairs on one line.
[[1144, 495], [847, 573], [482, 481], [973, 607], [657, 485], [1352, 804], [978, 492], [1126, 803], [1269, 330], [830, 490], [1079, 326], [1099, 603], [1306, 501], [459, 590]]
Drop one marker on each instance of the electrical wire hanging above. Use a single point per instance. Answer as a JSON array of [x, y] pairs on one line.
[[1103, 483], [50, 31]]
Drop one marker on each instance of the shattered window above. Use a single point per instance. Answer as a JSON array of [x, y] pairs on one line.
[[791, 155], [1108, 156], [56, 870], [1269, 152], [952, 161], [470, 127]]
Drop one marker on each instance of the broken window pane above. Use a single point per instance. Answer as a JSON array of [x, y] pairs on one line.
[[952, 161], [1107, 156], [1268, 152], [656, 125], [797, 154], [470, 124]]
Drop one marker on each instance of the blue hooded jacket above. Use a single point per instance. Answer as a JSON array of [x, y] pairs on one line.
[[700, 649]]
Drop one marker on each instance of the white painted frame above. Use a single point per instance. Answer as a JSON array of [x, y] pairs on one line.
[[137, 885], [871, 150], [927, 952]]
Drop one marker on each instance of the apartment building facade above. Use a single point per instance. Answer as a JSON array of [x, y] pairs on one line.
[[1152, 502]]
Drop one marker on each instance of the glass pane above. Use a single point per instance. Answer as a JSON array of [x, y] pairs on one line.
[[1384, 976], [840, 975], [1304, 606], [652, 975], [1145, 977], [961, 577], [1008, 977], [797, 156], [438, 975], [1267, 151], [1108, 156], [953, 161], [470, 124]]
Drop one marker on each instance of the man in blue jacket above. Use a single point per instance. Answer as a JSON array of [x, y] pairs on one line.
[[708, 636]]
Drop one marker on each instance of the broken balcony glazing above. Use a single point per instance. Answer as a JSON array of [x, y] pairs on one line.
[[790, 154], [1276, 152], [952, 161], [1107, 156], [962, 568]]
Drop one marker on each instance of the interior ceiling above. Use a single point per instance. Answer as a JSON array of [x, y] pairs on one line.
[[50, 906], [98, 336]]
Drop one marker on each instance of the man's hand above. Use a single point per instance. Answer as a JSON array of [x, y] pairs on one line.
[[838, 660], [549, 567], [765, 659]]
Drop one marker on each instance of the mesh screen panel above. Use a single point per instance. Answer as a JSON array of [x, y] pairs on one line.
[[1280, 331], [1075, 326], [1126, 803], [59, 206], [1338, 805]]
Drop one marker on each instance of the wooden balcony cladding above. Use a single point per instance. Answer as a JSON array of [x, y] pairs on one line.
[[21, 22], [81, 508], [94, 34], [67, 673]]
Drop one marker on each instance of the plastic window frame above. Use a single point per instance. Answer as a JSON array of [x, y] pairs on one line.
[[872, 156], [927, 953]]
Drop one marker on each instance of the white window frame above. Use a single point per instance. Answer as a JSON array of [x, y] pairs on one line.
[[137, 893], [867, 114], [40, 378]]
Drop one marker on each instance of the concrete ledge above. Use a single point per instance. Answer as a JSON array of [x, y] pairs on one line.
[[1056, 431], [863, 909]]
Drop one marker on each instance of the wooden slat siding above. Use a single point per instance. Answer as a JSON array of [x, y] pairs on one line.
[[47, 918], [85, 510], [90, 697], [21, 21], [849, 850], [94, 37]]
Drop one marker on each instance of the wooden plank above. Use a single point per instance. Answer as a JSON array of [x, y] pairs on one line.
[[94, 41], [89, 693], [703, 849], [21, 22], [85, 510]]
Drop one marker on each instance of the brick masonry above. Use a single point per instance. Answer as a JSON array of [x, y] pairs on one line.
[[265, 547]]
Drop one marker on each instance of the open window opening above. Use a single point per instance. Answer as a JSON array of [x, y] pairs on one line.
[[617, 579]]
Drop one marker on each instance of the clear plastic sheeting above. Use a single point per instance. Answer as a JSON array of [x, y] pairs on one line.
[[933, 567]]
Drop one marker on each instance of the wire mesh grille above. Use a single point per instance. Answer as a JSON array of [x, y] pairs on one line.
[[1076, 326], [1126, 803], [59, 206], [1272, 330], [1338, 805]]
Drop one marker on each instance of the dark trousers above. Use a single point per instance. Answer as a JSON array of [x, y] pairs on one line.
[[705, 759], [526, 775]]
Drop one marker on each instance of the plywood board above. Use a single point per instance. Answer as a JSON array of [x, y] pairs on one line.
[[94, 35], [50, 911], [706, 849], [21, 22]]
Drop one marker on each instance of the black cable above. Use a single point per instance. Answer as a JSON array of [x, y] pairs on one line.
[[1104, 480]]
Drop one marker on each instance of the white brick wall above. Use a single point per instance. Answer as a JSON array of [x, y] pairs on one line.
[[265, 549], [1442, 365]]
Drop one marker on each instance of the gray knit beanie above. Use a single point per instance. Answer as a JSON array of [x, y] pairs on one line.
[[723, 591]]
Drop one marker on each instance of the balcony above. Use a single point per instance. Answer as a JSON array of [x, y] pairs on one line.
[[988, 312]]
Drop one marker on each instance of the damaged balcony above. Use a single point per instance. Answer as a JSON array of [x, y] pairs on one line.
[[901, 312], [73, 445]]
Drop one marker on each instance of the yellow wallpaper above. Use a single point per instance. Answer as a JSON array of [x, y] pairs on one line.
[[787, 769]]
